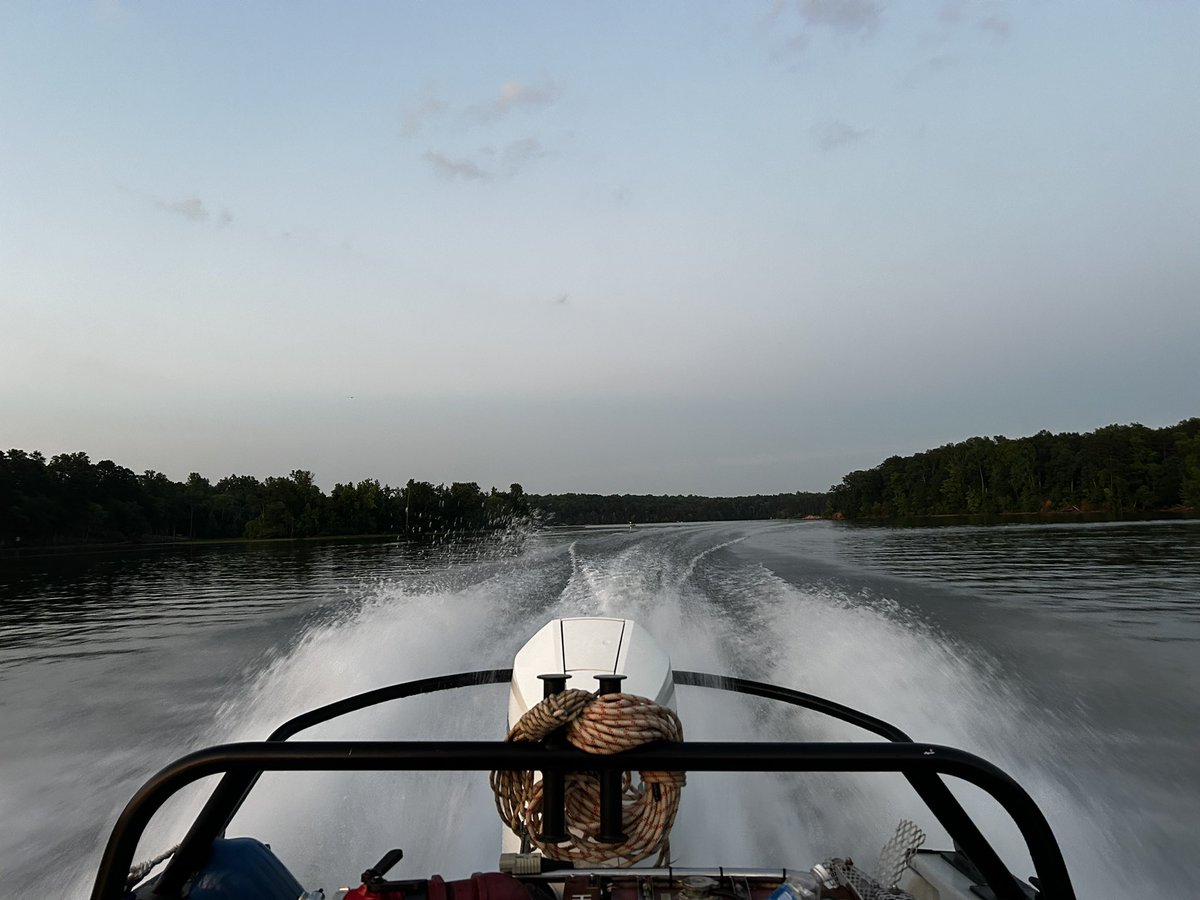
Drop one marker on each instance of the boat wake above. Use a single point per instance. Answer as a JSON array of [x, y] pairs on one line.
[[713, 611]]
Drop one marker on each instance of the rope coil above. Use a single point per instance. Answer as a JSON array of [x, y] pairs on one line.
[[603, 724]]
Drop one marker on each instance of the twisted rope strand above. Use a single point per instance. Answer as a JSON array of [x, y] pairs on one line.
[[603, 725]]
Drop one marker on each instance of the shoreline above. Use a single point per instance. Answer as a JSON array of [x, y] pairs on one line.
[[1148, 515]]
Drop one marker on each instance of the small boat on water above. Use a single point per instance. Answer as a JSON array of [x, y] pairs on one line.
[[588, 784]]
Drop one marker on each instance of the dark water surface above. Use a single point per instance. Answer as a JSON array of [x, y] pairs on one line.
[[1067, 654]]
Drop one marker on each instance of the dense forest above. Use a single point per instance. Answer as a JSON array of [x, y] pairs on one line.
[[617, 509], [68, 499], [1117, 470]]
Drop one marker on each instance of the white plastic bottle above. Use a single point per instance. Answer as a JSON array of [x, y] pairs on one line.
[[797, 886]]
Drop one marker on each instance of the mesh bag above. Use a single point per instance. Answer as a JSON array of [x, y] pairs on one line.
[[898, 851], [892, 860]]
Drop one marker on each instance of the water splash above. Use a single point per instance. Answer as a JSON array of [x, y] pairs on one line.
[[712, 612]]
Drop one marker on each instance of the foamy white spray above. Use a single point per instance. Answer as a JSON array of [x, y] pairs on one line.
[[710, 613]]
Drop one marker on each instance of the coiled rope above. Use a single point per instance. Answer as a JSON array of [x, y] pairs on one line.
[[603, 724]]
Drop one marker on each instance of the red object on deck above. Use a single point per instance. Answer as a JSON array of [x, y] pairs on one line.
[[480, 886]]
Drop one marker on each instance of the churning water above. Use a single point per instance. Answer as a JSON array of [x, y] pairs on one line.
[[1065, 654]]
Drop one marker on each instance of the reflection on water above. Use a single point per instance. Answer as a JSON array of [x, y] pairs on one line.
[[1140, 579], [1144, 573]]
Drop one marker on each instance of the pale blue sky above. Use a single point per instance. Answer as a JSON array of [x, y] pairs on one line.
[[696, 247]]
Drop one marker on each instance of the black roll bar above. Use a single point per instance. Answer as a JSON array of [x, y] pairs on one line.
[[921, 764], [251, 758], [229, 794], [929, 787]]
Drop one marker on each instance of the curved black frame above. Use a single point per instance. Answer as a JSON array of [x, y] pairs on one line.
[[231, 791], [921, 764]]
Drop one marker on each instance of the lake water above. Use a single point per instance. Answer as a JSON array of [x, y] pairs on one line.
[[1067, 654]]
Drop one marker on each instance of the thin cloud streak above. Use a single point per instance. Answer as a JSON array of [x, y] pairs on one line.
[[190, 208], [512, 159], [931, 67], [449, 168], [413, 119], [519, 154], [514, 95], [997, 25], [839, 134], [843, 16]]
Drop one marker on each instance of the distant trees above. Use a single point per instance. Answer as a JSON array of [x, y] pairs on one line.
[[1189, 471], [617, 509], [68, 499], [1116, 469]]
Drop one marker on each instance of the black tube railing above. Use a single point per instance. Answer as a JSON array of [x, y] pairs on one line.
[[253, 758], [239, 780]]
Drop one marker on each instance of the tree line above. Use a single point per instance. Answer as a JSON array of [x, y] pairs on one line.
[[1117, 470], [68, 499], [617, 509]]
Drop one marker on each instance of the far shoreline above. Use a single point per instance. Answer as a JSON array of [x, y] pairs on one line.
[[1174, 513]]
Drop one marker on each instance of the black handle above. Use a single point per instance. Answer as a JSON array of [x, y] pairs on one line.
[[381, 868]]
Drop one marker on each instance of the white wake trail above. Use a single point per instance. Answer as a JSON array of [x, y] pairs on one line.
[[712, 612]]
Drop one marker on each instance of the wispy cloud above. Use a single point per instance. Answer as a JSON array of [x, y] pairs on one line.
[[190, 208], [447, 167], [838, 134], [934, 65], [519, 154], [844, 16], [414, 117], [997, 25], [515, 95], [955, 12], [488, 162]]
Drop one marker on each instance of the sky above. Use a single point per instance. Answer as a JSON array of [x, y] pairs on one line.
[[704, 247]]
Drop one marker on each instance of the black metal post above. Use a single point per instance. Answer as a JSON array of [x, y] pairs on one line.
[[611, 831], [554, 784]]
